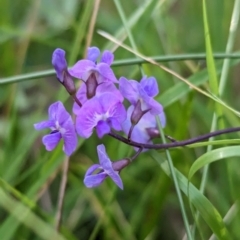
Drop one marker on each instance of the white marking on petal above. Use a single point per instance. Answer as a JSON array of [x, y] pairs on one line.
[[59, 128]]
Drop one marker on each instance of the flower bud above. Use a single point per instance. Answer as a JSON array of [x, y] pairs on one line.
[[68, 83], [137, 113], [120, 164], [153, 132], [91, 85], [60, 65]]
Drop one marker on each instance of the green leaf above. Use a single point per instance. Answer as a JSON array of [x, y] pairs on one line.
[[215, 155], [208, 212], [180, 89], [211, 64], [24, 215], [210, 60]]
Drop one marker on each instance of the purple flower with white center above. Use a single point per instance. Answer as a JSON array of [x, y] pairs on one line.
[[60, 64], [140, 133], [145, 91], [102, 71], [106, 168], [102, 88], [102, 112], [62, 127]]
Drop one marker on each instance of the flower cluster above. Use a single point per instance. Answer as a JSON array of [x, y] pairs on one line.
[[99, 105]]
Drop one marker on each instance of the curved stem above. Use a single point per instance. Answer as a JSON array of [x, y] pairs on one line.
[[136, 154], [174, 144], [76, 100], [130, 132]]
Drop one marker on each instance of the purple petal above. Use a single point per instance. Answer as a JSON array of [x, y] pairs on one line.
[[139, 133], [156, 107], [162, 119], [98, 109], [108, 101], [70, 138], [58, 113], [104, 159], [102, 128], [150, 86], [94, 180], [118, 112], [106, 165], [115, 124], [114, 109], [82, 69], [102, 88], [87, 117], [59, 63], [44, 124], [107, 57], [106, 73], [109, 87], [116, 178], [93, 53], [51, 140], [81, 96], [93, 168], [149, 103], [129, 89]]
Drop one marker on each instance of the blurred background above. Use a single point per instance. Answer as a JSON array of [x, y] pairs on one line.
[[147, 208]]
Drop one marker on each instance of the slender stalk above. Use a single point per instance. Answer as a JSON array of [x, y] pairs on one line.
[[136, 154], [61, 194], [129, 33], [176, 184], [223, 79], [92, 25], [81, 30], [76, 100], [174, 144], [130, 132], [222, 83], [123, 62]]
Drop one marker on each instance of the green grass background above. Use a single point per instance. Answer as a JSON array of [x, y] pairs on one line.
[[148, 208]]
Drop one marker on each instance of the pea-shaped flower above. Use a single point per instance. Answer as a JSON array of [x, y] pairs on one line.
[[102, 112], [104, 169], [101, 88], [143, 91], [83, 69], [62, 127], [140, 131]]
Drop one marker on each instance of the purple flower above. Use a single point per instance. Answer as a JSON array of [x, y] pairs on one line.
[[144, 91], [105, 168], [102, 88], [140, 133], [62, 127], [60, 64], [102, 71], [102, 112]]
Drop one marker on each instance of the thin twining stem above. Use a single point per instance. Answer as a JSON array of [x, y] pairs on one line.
[[76, 100], [174, 144], [136, 154]]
